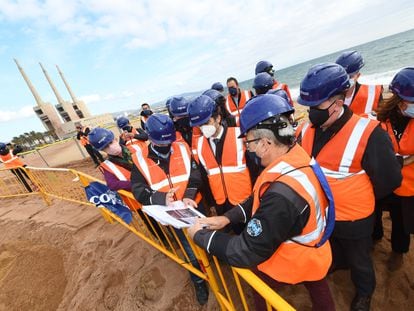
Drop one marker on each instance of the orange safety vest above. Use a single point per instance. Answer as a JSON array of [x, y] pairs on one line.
[[236, 110], [282, 86], [231, 179], [179, 170], [404, 147], [194, 138], [366, 99], [293, 262], [133, 141], [84, 139], [340, 160], [11, 161], [120, 172]]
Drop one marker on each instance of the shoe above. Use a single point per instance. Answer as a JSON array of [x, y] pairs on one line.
[[395, 261], [201, 291], [361, 303]]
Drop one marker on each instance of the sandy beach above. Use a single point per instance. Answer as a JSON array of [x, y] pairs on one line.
[[66, 257]]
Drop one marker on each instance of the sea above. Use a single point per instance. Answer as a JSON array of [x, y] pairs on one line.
[[382, 57]]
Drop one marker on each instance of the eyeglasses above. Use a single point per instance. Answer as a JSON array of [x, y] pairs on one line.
[[247, 142]]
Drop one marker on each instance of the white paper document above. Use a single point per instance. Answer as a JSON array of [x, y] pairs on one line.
[[177, 215]]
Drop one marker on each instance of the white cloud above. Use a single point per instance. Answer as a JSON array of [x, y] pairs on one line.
[[22, 113], [90, 99]]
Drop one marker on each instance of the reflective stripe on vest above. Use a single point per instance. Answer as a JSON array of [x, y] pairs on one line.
[[11, 157], [284, 168], [115, 169], [176, 147], [366, 99], [11, 161], [352, 145], [293, 262], [232, 108], [240, 162], [341, 161], [231, 180], [404, 147]]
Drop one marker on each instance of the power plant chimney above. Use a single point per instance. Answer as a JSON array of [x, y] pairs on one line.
[[36, 95], [64, 108], [44, 111], [79, 106]]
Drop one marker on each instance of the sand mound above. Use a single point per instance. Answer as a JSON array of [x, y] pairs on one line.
[[66, 257], [36, 270]]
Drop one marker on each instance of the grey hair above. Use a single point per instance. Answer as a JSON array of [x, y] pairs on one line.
[[288, 132]]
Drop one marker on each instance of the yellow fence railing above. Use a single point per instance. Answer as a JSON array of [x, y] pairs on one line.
[[228, 284]]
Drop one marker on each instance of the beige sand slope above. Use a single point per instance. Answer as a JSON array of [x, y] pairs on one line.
[[66, 257]]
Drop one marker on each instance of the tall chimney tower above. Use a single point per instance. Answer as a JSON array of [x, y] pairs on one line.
[[44, 111], [64, 108], [80, 107]]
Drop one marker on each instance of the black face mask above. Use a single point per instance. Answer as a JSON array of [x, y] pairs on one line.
[[127, 128], [233, 91], [162, 149], [147, 112], [253, 157], [319, 116], [182, 123]]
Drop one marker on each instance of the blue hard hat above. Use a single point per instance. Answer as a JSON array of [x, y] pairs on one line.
[[213, 94], [263, 66], [121, 122], [403, 84], [263, 81], [200, 110], [218, 87], [160, 129], [281, 93], [100, 137], [177, 106], [3, 146], [261, 108], [321, 83], [352, 61]]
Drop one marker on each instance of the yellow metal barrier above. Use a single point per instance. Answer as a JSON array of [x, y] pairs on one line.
[[67, 184]]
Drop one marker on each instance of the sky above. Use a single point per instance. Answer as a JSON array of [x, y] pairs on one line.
[[117, 54]]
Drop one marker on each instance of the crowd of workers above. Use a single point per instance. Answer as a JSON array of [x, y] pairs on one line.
[[292, 202]]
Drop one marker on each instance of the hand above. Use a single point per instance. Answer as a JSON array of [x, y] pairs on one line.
[[215, 222], [170, 196], [129, 135], [190, 202], [194, 228]]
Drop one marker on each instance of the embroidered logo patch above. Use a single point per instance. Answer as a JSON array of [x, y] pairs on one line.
[[254, 227]]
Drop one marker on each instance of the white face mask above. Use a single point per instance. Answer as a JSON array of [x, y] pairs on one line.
[[113, 149], [208, 130], [351, 83], [409, 111]]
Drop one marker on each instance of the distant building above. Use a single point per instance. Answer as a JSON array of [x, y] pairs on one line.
[[62, 118]]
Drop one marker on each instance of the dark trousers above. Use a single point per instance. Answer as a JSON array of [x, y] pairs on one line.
[[191, 256], [95, 154], [21, 175], [355, 254], [319, 292], [400, 211]]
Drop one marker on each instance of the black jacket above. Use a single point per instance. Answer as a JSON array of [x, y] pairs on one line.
[[147, 196], [282, 214]]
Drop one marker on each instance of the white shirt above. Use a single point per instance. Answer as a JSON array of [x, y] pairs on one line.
[[212, 138]]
